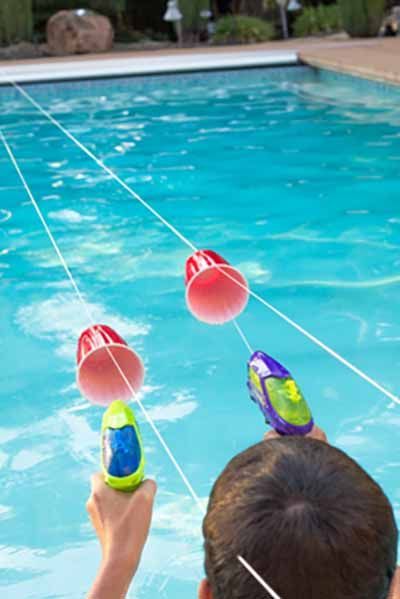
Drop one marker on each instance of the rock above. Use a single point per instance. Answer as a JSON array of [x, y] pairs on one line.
[[22, 50], [79, 32], [44, 50]]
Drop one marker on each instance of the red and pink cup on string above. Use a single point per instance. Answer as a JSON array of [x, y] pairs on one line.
[[108, 369], [216, 292]]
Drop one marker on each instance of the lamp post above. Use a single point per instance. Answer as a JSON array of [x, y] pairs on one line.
[[282, 7], [174, 15], [206, 25]]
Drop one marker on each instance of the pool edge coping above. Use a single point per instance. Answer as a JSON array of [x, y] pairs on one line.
[[359, 72], [141, 66]]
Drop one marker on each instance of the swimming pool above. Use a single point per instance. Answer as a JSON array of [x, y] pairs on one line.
[[292, 174]]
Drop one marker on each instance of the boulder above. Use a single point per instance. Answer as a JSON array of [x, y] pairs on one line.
[[79, 32]]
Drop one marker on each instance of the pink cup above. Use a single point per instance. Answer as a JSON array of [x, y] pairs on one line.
[[99, 378], [216, 292]]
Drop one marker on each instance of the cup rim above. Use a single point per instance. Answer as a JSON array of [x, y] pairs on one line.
[[215, 263]]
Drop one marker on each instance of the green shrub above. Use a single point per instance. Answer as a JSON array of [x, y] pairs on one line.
[[156, 36], [242, 30], [362, 18], [133, 36], [190, 10], [322, 19], [16, 21], [130, 36]]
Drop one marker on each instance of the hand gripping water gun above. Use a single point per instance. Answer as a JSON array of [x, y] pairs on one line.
[[122, 453], [279, 398]]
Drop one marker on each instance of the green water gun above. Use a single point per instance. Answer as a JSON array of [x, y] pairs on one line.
[[122, 455]]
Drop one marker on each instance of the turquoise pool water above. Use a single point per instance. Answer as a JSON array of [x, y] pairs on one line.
[[292, 174]]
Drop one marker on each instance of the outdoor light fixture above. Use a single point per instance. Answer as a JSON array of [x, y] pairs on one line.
[[174, 15], [294, 5], [206, 14]]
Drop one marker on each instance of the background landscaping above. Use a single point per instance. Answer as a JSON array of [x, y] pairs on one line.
[[232, 21]]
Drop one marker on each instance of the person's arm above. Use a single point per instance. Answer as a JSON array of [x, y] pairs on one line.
[[112, 581], [122, 522], [395, 588]]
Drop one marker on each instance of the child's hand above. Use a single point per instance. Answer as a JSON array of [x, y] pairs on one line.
[[316, 433], [121, 520]]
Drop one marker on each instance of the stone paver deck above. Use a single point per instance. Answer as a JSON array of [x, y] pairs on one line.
[[379, 60]]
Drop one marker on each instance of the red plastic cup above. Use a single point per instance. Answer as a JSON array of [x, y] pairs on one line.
[[98, 377], [216, 292]]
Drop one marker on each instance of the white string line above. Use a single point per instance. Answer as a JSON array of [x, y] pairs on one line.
[[256, 575], [187, 242], [115, 361], [92, 321], [110, 172], [242, 335], [363, 375], [114, 176]]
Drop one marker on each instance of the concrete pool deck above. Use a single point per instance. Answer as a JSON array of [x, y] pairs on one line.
[[376, 59]]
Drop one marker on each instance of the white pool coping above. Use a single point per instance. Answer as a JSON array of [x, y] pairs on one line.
[[47, 71]]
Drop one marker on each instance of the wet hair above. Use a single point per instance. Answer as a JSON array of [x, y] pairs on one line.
[[307, 517]]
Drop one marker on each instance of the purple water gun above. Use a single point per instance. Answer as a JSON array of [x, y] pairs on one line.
[[278, 396]]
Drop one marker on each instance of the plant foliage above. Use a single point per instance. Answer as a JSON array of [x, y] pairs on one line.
[[190, 10], [243, 30], [16, 22], [362, 18], [319, 20]]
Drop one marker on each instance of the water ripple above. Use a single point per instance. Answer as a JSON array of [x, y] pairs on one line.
[[5, 215]]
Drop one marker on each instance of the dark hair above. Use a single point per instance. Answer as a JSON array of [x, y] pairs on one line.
[[306, 517]]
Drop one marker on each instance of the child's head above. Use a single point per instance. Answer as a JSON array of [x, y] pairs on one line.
[[308, 518]]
